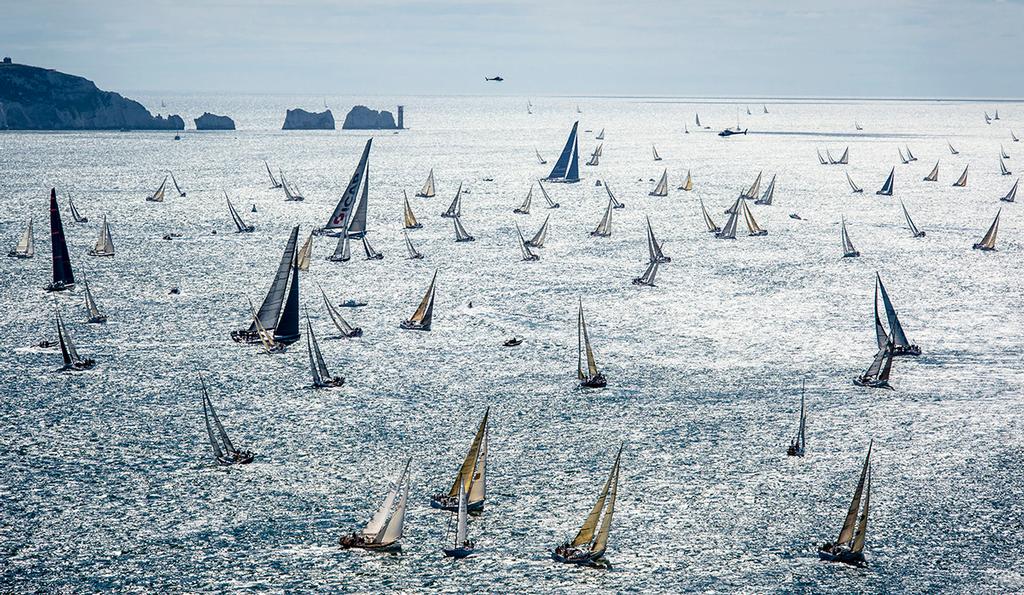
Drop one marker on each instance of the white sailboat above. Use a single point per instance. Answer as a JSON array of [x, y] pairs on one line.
[[274, 184], [903, 158], [92, 309], [752, 227], [461, 235], [462, 546], [589, 376], [848, 250], [540, 159], [428, 190], [346, 329], [604, 227], [769, 194], [910, 156], [322, 377], [654, 247], [104, 244], [755, 188], [384, 530], [687, 184], [655, 151], [26, 246], [729, 231], [712, 227], [524, 209], [856, 189], [547, 198], [1002, 153], [934, 175], [647, 278], [662, 188], [305, 254]]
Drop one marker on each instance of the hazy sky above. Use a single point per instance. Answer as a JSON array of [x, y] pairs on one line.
[[906, 48]]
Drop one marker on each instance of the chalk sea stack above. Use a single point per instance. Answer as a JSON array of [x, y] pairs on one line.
[[33, 98], [361, 117], [209, 121], [300, 119]]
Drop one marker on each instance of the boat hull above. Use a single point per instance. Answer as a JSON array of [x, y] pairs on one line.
[[239, 458], [451, 504], [873, 383], [845, 557], [79, 366], [908, 350], [413, 326], [101, 319], [335, 382], [640, 281], [983, 248], [466, 239], [16, 254], [458, 552], [357, 541], [59, 286], [597, 381]]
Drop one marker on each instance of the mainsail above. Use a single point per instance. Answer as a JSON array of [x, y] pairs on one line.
[[75, 215], [962, 180], [181, 193], [769, 194], [848, 250], [604, 228], [662, 188], [655, 151], [63, 277], [424, 314], [551, 204], [428, 187], [566, 169], [752, 227], [524, 247], [158, 194], [524, 209], [934, 176], [585, 350], [896, 333], [342, 325], [903, 159], [538, 240], [408, 218], [853, 186], [242, 226], [988, 243], [754, 189], [729, 231], [455, 209], [888, 186], [340, 221], [26, 246], [270, 309], [413, 254], [461, 235], [104, 244]]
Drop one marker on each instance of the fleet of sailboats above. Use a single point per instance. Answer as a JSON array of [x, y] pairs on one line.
[[590, 544]]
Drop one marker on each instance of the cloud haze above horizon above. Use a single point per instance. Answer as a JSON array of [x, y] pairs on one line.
[[898, 48]]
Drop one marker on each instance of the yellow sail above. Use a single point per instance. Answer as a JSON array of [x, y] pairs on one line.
[[425, 303], [846, 534], [478, 486], [266, 337], [586, 532], [410, 219], [601, 543], [591, 363], [466, 472], [689, 182], [305, 254], [858, 538], [751, 223]]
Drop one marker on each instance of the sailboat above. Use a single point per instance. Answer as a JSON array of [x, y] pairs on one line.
[[322, 377], [662, 188], [26, 246], [595, 157], [755, 188], [75, 215], [589, 377], [988, 243], [274, 184], [538, 239], [455, 209], [685, 129], [1002, 153], [371, 254], [279, 312], [461, 235], [241, 225], [524, 247], [687, 185], [910, 156], [529, 108], [828, 157], [578, 110], [342, 251], [551, 204], [291, 191], [857, 125], [697, 119], [600, 135], [409, 219], [821, 160], [349, 215], [181, 193], [896, 338], [591, 541], [413, 254], [988, 120], [729, 231], [877, 375], [158, 194], [648, 277], [752, 227], [887, 187], [305, 254], [996, 117], [346, 329], [1002, 168], [524, 209], [63, 277], [604, 227], [264, 337], [428, 187], [654, 253], [856, 189], [224, 452], [1010, 197], [748, 110], [540, 159], [712, 227], [848, 250], [73, 362], [962, 180], [902, 158], [655, 151], [765, 108], [423, 317], [951, 149], [91, 308], [567, 169], [462, 547], [798, 444], [849, 546], [769, 194], [615, 202], [1014, 137], [910, 223], [382, 533], [470, 486], [934, 176], [844, 159], [104, 244]]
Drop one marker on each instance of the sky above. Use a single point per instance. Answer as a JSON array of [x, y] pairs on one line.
[[783, 48]]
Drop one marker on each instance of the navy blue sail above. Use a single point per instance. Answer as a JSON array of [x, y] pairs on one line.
[[63, 277], [563, 171], [287, 330]]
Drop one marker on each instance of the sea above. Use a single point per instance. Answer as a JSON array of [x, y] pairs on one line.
[[109, 483]]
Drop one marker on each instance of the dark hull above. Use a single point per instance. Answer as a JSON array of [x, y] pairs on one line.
[[853, 254], [458, 553], [412, 326], [872, 383], [451, 504], [640, 281], [467, 239], [417, 226], [79, 366], [755, 234], [843, 557], [983, 248], [59, 286], [598, 381], [16, 254], [909, 350], [101, 319], [335, 382], [241, 458]]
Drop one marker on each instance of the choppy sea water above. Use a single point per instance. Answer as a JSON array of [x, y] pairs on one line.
[[108, 482]]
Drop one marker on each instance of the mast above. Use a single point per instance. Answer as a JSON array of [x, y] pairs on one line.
[[339, 219], [62, 274]]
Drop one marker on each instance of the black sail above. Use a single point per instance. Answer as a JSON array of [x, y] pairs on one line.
[[287, 330], [62, 274], [271, 309]]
